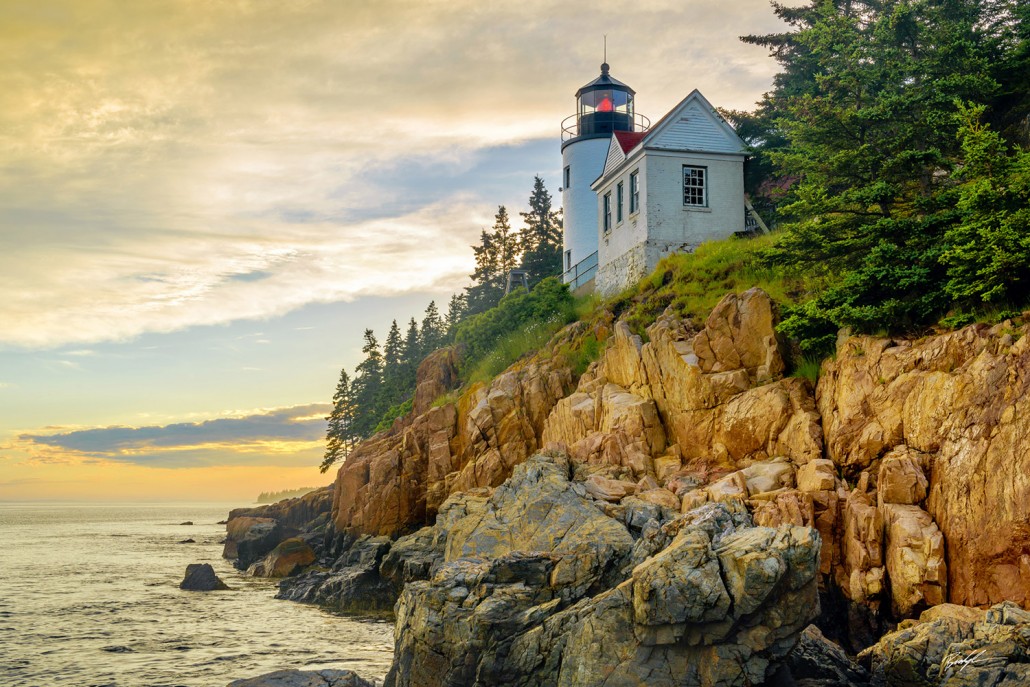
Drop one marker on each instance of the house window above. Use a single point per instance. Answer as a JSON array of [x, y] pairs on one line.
[[607, 212], [568, 260], [634, 192], [695, 186], [618, 203], [568, 176]]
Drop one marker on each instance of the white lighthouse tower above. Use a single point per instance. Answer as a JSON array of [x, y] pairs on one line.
[[603, 106]]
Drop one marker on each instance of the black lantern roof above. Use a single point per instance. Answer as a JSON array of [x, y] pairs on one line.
[[605, 81]]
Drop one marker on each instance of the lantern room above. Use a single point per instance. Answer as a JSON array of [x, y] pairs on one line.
[[604, 105]]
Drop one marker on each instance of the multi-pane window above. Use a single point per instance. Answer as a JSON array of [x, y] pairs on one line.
[[634, 192], [618, 202], [608, 212], [695, 187]]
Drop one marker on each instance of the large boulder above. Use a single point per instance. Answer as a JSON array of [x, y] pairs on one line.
[[289, 557], [543, 588], [248, 539], [304, 678], [201, 577]]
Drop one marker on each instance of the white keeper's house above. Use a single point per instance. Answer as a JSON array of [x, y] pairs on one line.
[[633, 193]]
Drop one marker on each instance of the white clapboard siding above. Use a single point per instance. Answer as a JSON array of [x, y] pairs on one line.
[[694, 128], [615, 156]]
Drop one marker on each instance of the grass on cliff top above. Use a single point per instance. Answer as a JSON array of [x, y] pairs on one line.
[[693, 283]]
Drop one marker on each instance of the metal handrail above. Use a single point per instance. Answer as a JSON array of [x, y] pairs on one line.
[[581, 272], [570, 130]]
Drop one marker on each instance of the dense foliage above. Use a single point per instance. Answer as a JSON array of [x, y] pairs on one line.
[[384, 382], [499, 335], [869, 154]]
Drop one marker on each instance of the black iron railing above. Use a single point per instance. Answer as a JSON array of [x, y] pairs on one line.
[[570, 126], [580, 273]]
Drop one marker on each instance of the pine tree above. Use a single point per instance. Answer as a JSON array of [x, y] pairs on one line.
[[393, 371], [411, 355], [339, 436], [541, 239], [496, 255], [456, 310], [367, 388], [432, 332]]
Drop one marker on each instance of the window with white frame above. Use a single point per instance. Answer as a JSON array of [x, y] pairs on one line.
[[568, 176], [634, 191], [568, 260], [695, 186], [618, 202], [607, 212]]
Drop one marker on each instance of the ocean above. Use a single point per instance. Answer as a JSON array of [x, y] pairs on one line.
[[91, 598]]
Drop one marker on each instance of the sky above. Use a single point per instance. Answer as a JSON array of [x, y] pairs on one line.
[[203, 204]]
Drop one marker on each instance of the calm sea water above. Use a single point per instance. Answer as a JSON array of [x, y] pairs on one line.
[[89, 596]]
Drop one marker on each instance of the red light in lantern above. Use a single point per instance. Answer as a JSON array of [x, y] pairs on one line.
[[605, 105]]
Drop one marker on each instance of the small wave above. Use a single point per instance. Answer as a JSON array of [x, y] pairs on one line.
[[119, 649]]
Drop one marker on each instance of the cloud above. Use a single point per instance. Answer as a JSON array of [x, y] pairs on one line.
[[180, 162], [283, 436]]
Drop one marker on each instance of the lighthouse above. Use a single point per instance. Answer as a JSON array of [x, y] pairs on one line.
[[603, 107]]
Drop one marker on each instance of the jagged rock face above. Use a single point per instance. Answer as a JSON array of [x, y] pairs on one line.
[[397, 480], [542, 588], [248, 539], [705, 398], [942, 425]]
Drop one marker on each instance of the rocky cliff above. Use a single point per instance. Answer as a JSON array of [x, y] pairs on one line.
[[902, 474]]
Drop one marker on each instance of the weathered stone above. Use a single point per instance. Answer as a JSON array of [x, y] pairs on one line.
[[286, 559], [915, 559], [304, 678], [901, 479], [609, 489], [818, 662], [248, 539], [201, 577], [544, 615], [817, 475]]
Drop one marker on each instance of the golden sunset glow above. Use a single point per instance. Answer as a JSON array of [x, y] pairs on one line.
[[204, 204]]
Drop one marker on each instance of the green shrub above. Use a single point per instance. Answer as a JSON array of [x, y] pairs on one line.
[[521, 323], [392, 413]]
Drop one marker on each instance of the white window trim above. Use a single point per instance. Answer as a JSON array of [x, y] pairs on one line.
[[704, 187]]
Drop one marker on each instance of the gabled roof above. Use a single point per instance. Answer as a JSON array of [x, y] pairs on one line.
[[692, 126], [696, 126], [628, 140]]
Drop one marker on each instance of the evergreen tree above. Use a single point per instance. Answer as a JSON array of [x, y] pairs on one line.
[[456, 311], [541, 239], [432, 332], [496, 255], [393, 370], [867, 115], [367, 388], [989, 249], [411, 354], [339, 435]]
